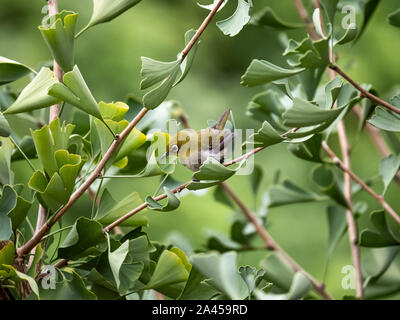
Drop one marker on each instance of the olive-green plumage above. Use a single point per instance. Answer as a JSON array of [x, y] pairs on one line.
[[194, 147]]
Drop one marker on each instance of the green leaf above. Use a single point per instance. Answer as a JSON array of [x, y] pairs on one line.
[[196, 288], [309, 54], [254, 279], [388, 169], [222, 243], [330, 8], [262, 72], [266, 136], [104, 11], [188, 61], [385, 119], [154, 71], [11, 70], [86, 238], [59, 38], [324, 177], [211, 173], [300, 286], [382, 236], [378, 262], [10, 273], [222, 271], [172, 268], [20, 211], [337, 224], [266, 17], [6, 174], [289, 193], [310, 150], [39, 253], [7, 204], [7, 252], [235, 23], [35, 94], [173, 202], [125, 272], [72, 287], [256, 178], [220, 196], [304, 113], [277, 271], [111, 210], [5, 129], [156, 96], [75, 91], [394, 18]]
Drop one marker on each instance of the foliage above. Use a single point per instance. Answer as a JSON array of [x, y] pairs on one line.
[[297, 106]]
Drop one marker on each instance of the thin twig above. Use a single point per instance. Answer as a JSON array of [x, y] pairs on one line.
[[118, 139], [201, 29], [364, 92], [306, 20], [351, 222], [58, 73], [78, 193], [378, 197], [270, 243]]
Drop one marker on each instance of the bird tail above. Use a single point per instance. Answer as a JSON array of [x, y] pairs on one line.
[[222, 120]]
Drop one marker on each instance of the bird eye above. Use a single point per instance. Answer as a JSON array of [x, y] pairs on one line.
[[173, 149]]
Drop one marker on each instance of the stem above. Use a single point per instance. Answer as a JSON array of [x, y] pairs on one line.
[[97, 171], [270, 243], [304, 16], [201, 29], [351, 222], [58, 73], [344, 168], [78, 193], [23, 153], [364, 92], [57, 231]]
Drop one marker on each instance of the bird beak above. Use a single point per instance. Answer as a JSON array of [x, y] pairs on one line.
[[164, 155]]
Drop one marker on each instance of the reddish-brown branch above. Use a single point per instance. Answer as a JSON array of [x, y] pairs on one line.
[[270, 243], [118, 139], [306, 20], [378, 197], [364, 92], [201, 29], [58, 73], [78, 193]]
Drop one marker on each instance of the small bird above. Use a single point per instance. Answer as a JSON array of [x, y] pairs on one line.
[[194, 147]]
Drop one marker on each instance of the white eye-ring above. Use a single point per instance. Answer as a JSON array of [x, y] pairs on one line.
[[173, 149]]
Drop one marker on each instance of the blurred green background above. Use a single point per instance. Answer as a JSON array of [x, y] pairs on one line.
[[108, 56]]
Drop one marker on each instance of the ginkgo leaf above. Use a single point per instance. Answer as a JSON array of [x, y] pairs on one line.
[[235, 23], [262, 72], [11, 70], [104, 11], [59, 38], [35, 94]]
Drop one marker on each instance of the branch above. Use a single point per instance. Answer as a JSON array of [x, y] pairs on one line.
[[304, 16], [78, 193], [118, 139], [201, 29], [270, 243], [58, 73], [364, 92], [351, 222], [64, 262], [344, 168]]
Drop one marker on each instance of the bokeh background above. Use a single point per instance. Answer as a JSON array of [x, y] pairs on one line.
[[108, 56]]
